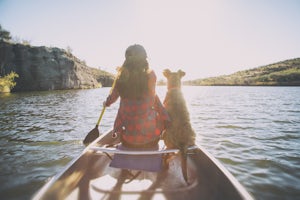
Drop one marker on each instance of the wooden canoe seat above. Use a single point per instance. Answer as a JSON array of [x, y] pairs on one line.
[[142, 159], [150, 162], [113, 150], [137, 159]]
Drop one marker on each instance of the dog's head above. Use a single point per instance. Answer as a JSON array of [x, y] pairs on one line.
[[173, 78]]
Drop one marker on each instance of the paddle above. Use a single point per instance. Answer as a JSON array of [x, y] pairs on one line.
[[94, 134]]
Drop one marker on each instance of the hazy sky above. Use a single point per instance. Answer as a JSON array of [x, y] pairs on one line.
[[202, 37]]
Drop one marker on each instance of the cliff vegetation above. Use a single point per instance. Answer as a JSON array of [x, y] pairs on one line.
[[8, 82]]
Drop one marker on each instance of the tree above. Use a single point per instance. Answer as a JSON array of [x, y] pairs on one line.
[[4, 34], [8, 82]]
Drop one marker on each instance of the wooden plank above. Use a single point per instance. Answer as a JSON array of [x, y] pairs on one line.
[[129, 152]]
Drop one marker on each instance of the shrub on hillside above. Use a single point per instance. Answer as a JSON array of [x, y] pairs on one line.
[[8, 82]]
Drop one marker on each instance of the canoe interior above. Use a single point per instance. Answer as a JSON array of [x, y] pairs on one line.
[[90, 177]]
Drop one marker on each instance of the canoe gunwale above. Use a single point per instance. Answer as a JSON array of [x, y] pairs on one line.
[[232, 180], [39, 194]]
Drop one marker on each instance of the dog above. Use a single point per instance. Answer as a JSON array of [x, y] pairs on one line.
[[179, 134]]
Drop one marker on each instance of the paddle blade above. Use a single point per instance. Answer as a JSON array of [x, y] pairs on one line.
[[91, 136]]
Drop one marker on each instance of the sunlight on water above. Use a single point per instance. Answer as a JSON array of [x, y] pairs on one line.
[[253, 131]]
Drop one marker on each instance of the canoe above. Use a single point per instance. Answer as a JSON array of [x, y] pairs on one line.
[[90, 176]]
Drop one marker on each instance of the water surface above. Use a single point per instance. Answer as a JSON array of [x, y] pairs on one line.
[[253, 131]]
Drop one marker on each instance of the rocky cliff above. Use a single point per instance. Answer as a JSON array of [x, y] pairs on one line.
[[43, 68]]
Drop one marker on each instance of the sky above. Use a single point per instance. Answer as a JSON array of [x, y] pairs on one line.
[[204, 38]]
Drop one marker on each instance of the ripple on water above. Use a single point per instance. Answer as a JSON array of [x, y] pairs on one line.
[[253, 131]]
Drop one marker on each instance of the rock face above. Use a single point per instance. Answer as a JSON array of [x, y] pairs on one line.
[[43, 68]]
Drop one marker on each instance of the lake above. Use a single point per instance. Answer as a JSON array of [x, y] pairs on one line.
[[253, 131]]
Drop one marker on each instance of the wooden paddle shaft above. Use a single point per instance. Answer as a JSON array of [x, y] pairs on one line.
[[101, 115], [104, 107]]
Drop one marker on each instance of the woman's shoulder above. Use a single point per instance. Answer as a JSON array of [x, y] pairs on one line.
[[151, 73]]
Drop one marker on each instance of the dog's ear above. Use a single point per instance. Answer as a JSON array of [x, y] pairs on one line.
[[181, 73], [166, 73]]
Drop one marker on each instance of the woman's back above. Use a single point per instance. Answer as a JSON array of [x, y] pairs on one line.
[[138, 117]]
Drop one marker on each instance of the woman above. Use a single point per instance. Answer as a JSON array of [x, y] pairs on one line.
[[141, 117]]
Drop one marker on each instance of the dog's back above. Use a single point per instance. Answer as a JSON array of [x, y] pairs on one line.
[[180, 133]]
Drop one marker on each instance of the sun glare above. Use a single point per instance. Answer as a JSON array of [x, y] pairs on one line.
[[176, 35]]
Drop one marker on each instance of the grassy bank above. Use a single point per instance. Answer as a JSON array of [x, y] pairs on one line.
[[285, 73]]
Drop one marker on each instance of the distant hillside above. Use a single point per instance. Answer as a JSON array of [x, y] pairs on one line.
[[285, 73], [105, 78]]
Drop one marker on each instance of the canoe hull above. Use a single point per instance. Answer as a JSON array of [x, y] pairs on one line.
[[90, 177]]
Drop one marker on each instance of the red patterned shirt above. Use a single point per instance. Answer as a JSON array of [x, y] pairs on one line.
[[140, 121]]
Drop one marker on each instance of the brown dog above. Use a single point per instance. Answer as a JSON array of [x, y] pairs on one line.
[[179, 134]]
